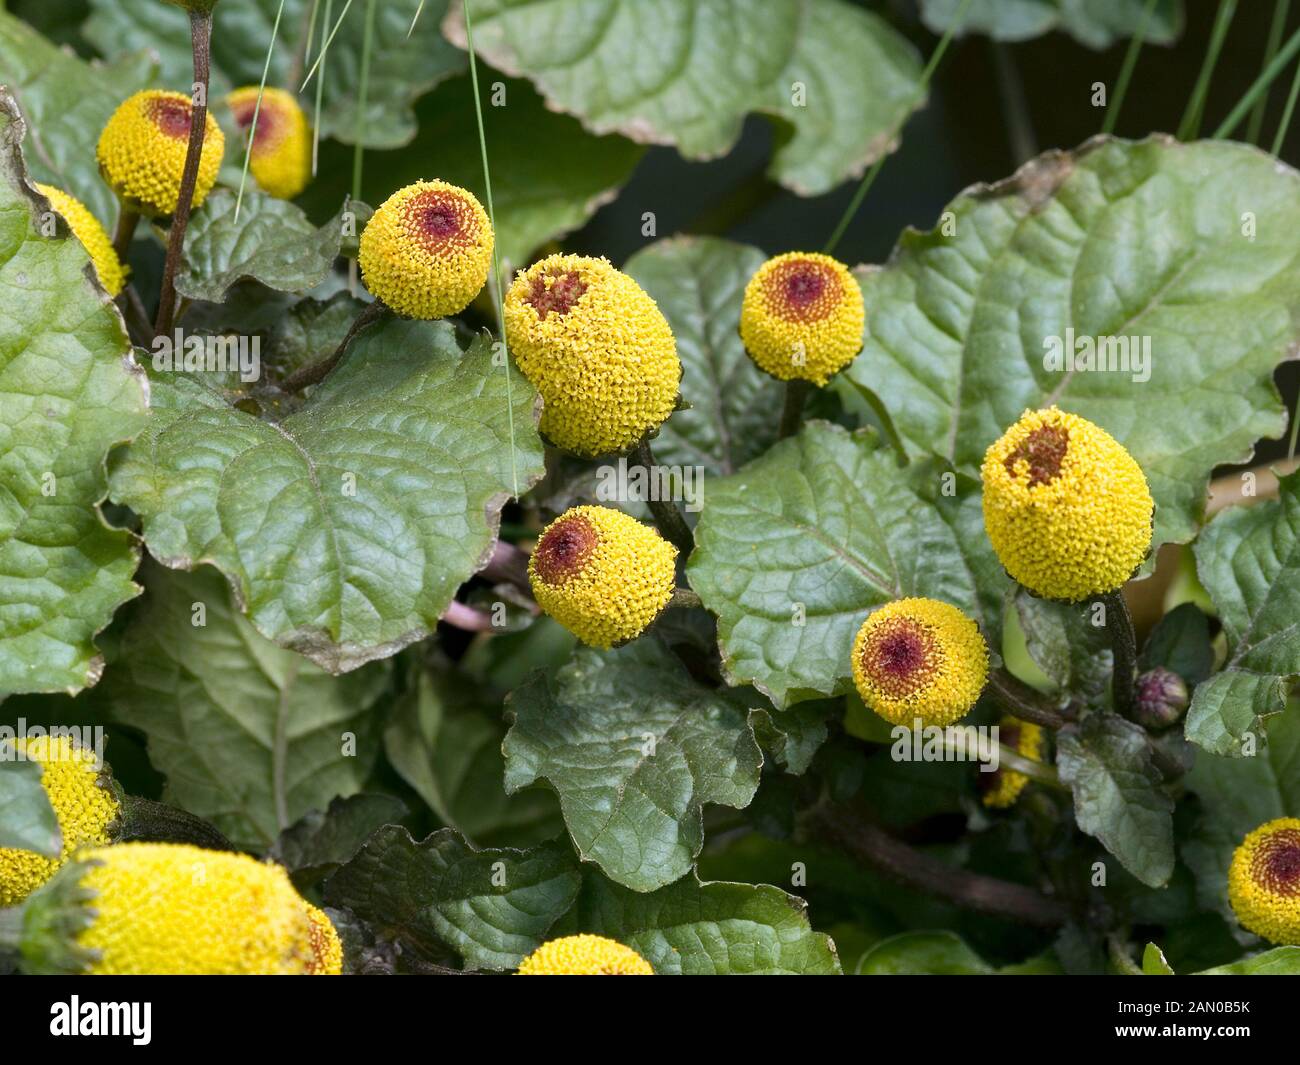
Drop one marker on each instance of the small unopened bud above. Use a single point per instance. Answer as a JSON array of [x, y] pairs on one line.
[[1161, 699]]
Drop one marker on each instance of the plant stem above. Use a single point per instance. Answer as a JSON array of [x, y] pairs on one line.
[[257, 110], [463, 616], [1123, 640], [1126, 70], [1281, 9], [1259, 86], [363, 100], [1015, 108], [201, 40], [315, 373], [1287, 111], [684, 597], [156, 822], [1190, 126], [507, 565], [1024, 702], [320, 89], [496, 244], [869, 178], [797, 391], [670, 520], [127, 220], [973, 891]]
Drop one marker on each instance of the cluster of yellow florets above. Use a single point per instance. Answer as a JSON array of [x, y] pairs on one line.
[[802, 317], [326, 948], [427, 251], [86, 228], [280, 156], [1067, 509], [83, 804], [597, 348], [919, 659], [1264, 881], [602, 574], [142, 152], [584, 956], [1002, 787], [170, 909]]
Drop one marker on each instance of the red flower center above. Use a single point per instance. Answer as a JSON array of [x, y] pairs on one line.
[[439, 220], [1044, 450], [564, 291], [172, 117], [900, 656], [1276, 864], [268, 122], [564, 549], [802, 290]]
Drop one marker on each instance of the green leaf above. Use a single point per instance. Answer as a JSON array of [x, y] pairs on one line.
[[273, 243], [1153, 962], [348, 526], [70, 393], [1117, 794], [549, 175], [694, 928], [1237, 796], [249, 736], [1117, 239], [68, 102], [635, 747], [492, 907], [693, 70], [27, 820], [1181, 642], [794, 735], [824, 526], [1280, 961], [402, 68], [444, 738], [1248, 560], [321, 841], [1066, 646], [1096, 23], [923, 953], [735, 408]]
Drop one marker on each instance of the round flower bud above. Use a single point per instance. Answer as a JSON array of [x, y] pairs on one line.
[[83, 802], [86, 228], [1264, 881], [1067, 509], [1161, 699], [1003, 786], [584, 956], [326, 948], [176, 910], [919, 658], [281, 152], [142, 152], [427, 251], [597, 348], [802, 317], [602, 574]]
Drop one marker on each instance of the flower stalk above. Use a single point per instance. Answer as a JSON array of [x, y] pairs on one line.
[[671, 521]]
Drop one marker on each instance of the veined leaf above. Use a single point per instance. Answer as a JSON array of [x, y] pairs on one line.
[[1096, 23]]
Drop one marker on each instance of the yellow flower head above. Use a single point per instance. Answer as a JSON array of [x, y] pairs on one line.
[[602, 574], [1264, 881], [177, 910], [281, 153], [427, 251], [1067, 509], [142, 152], [919, 658], [584, 956], [597, 348], [802, 317], [1003, 786], [326, 948], [83, 803], [86, 228]]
